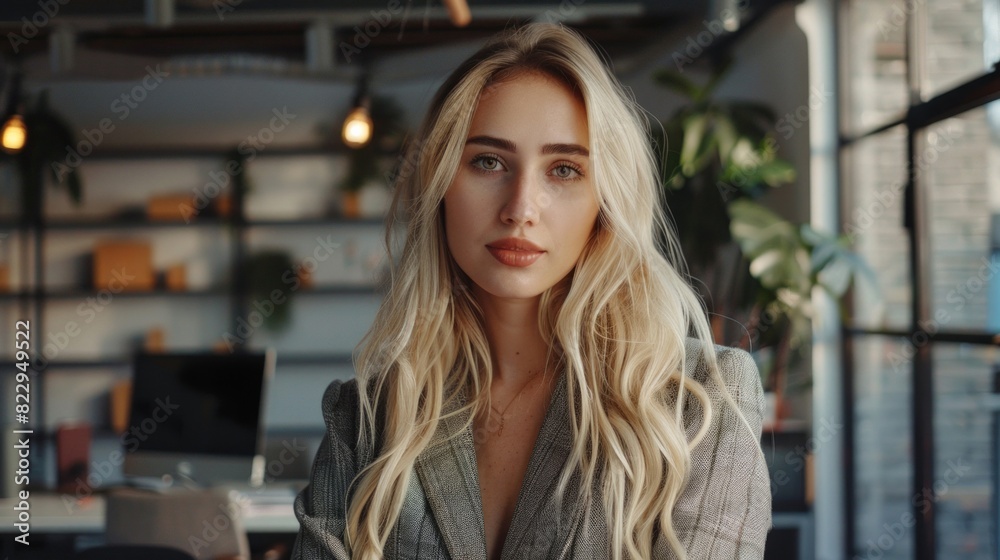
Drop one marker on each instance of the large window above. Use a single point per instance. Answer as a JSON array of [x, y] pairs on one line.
[[921, 198]]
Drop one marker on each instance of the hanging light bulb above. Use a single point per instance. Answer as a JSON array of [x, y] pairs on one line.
[[357, 129], [14, 134]]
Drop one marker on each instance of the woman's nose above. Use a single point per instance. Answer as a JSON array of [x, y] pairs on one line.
[[525, 200]]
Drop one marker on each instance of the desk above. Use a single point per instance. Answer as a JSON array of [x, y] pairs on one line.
[[61, 513]]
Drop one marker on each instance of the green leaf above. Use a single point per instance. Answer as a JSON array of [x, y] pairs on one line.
[[777, 256], [721, 70], [692, 147], [814, 237], [726, 136], [775, 173], [753, 112], [677, 82]]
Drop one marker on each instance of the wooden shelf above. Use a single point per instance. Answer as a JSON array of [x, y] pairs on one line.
[[140, 223], [44, 233], [288, 359], [307, 222], [131, 223], [83, 294]]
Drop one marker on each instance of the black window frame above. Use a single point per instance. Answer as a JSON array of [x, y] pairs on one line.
[[919, 115]]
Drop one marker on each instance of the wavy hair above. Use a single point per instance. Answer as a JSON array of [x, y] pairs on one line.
[[617, 325]]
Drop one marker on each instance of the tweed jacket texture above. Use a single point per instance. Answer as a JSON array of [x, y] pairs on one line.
[[723, 513]]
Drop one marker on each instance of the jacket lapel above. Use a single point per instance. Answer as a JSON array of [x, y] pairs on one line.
[[533, 531], [449, 475], [447, 470]]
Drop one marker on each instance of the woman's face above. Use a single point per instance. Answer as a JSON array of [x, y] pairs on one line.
[[522, 204]]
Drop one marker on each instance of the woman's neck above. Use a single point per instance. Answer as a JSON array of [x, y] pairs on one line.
[[516, 344]]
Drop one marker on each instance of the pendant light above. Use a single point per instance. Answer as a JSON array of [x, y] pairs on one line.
[[358, 126], [14, 133]]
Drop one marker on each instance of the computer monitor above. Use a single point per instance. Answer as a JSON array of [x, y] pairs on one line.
[[198, 416]]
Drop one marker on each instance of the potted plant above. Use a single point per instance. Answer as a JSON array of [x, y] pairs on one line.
[[752, 265], [265, 272]]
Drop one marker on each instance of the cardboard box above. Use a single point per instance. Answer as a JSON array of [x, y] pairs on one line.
[[123, 266], [171, 207], [175, 279]]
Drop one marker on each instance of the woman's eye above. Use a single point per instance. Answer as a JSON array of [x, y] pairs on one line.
[[487, 163], [566, 172]]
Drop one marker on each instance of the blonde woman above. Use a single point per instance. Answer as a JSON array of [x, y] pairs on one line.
[[540, 381]]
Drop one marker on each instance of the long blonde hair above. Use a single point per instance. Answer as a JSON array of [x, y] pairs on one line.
[[619, 325]]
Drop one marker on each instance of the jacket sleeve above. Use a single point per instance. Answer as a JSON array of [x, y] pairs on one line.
[[724, 512], [321, 507]]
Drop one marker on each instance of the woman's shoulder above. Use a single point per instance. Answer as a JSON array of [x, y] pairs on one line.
[[342, 407], [342, 416], [737, 370], [735, 364]]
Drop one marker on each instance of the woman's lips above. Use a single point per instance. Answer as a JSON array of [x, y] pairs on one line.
[[512, 257], [515, 251]]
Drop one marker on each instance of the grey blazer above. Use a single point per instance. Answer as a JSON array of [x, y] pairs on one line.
[[724, 512]]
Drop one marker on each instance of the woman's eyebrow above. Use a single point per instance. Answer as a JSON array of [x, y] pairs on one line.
[[548, 149], [493, 142], [565, 149]]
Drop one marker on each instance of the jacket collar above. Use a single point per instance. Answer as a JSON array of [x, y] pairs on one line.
[[450, 477]]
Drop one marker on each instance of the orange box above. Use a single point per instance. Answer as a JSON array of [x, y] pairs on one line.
[[171, 207], [4, 278], [123, 266], [119, 400], [176, 278], [155, 340]]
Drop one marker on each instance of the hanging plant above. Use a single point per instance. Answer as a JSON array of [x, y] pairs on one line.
[[49, 139]]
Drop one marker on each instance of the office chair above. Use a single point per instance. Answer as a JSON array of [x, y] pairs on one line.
[[133, 552], [204, 523]]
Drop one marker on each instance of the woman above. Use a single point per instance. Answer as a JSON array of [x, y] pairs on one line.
[[517, 396]]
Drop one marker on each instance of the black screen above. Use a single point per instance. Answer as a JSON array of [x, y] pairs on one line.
[[196, 403]]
